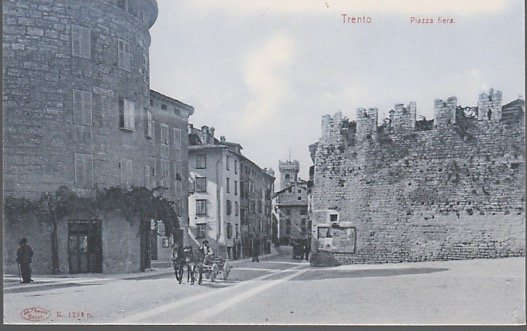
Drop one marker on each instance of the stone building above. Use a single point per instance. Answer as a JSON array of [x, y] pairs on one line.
[[451, 190], [290, 204], [226, 188], [165, 127], [256, 188], [78, 112]]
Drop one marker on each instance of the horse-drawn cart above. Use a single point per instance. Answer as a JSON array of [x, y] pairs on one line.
[[214, 266]]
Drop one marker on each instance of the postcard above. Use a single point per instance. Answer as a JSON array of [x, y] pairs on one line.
[[321, 162]]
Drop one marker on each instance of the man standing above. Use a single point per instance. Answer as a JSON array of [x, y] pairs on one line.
[[256, 250], [307, 248], [24, 254]]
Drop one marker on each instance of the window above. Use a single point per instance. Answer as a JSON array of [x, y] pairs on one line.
[[179, 207], [177, 138], [235, 166], [82, 106], [235, 187], [123, 4], [83, 170], [229, 230], [229, 207], [124, 57], [201, 184], [228, 185], [201, 161], [303, 225], [149, 125], [165, 169], [164, 134], [237, 231], [201, 207], [260, 210], [333, 217], [236, 208], [126, 114], [299, 191], [126, 172], [253, 207], [288, 226], [148, 177], [200, 230], [80, 41], [303, 211], [227, 162], [299, 198], [164, 107]]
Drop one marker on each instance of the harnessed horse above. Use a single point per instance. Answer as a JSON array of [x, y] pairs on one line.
[[184, 258]]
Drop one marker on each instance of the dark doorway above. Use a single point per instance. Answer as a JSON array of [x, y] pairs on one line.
[[145, 246], [85, 246], [153, 245]]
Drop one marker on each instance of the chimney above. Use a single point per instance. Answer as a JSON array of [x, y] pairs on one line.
[[190, 128], [205, 134], [212, 134], [222, 139]]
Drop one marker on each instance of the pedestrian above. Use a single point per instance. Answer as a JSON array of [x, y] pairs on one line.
[[24, 254], [307, 249], [205, 257], [256, 250]]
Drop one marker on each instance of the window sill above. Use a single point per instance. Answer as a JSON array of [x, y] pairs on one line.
[[127, 129]]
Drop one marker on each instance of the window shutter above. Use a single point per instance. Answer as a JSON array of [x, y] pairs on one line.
[[131, 115], [85, 43], [121, 112], [78, 170], [120, 53], [75, 40], [77, 107], [87, 109], [88, 171], [148, 181]]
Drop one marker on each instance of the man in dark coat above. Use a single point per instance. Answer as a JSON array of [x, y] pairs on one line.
[[256, 250], [24, 254], [307, 248]]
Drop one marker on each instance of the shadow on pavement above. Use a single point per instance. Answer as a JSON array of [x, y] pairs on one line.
[[314, 274]]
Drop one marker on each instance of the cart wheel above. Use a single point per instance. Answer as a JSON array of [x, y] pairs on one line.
[[226, 270]]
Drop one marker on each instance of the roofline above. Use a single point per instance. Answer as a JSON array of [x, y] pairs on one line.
[[247, 159], [178, 103]]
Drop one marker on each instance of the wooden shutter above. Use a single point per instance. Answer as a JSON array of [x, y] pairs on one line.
[[85, 43], [87, 108], [77, 107], [75, 40]]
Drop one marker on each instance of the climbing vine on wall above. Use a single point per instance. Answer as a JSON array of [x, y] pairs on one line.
[[53, 206]]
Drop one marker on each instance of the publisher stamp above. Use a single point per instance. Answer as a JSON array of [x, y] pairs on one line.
[[35, 314]]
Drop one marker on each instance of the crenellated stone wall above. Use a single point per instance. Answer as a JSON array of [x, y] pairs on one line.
[[424, 195]]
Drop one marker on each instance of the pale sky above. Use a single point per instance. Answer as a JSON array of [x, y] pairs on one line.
[[264, 72]]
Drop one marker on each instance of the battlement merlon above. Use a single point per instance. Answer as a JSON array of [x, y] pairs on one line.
[[330, 129], [489, 105], [445, 112], [367, 124], [403, 118]]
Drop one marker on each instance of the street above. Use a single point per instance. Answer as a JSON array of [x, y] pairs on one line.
[[280, 290]]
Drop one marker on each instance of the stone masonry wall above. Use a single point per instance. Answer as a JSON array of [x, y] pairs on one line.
[[40, 75], [426, 195]]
